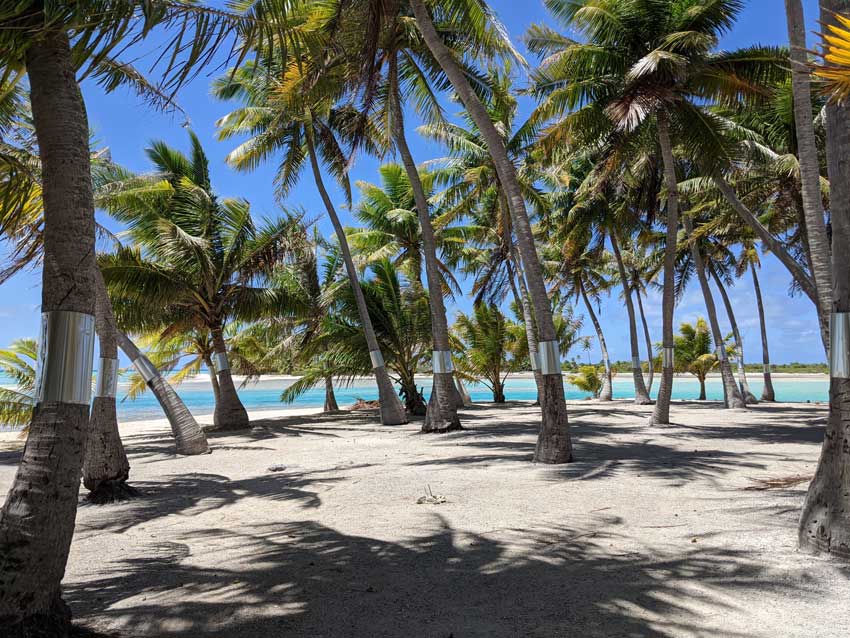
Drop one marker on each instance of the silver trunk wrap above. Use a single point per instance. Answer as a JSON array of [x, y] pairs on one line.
[[839, 345], [535, 362], [441, 361], [768, 368], [721, 353], [107, 378], [636, 363], [145, 368], [65, 358], [220, 362], [377, 359], [668, 357], [550, 357]]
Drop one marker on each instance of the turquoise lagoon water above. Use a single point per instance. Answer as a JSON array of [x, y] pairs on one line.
[[265, 394]]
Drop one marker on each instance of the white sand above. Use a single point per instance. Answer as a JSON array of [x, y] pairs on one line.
[[651, 532]]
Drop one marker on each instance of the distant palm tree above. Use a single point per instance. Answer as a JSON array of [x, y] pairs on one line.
[[198, 262], [18, 362], [485, 343], [695, 352]]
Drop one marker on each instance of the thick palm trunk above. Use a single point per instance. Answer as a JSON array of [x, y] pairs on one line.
[[767, 393], [731, 395], [522, 301], [498, 392], [106, 467], [825, 520], [553, 442], [330, 398], [807, 150], [229, 413], [606, 393], [743, 384], [641, 394], [37, 519], [188, 435], [444, 400], [661, 413], [392, 412], [649, 359]]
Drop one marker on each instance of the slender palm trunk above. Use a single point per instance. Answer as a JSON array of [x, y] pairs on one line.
[[743, 385], [467, 400], [213, 378], [188, 435], [825, 519], [606, 393], [105, 467], [661, 413], [767, 393], [807, 150], [444, 400], [522, 301], [229, 413], [731, 395], [392, 412], [330, 398], [37, 519], [553, 442], [649, 362], [641, 394], [701, 389]]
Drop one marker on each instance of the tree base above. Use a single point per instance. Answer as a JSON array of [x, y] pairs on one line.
[[54, 624], [112, 491]]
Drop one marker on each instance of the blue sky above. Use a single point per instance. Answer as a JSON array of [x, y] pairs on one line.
[[126, 126]]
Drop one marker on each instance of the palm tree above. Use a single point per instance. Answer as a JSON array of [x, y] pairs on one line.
[[553, 443], [825, 519], [644, 70], [18, 361], [589, 378], [694, 352], [485, 342], [749, 260], [303, 125], [198, 261]]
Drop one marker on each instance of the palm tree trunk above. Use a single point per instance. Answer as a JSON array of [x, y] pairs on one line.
[[825, 519], [213, 379], [330, 398], [607, 391], [661, 413], [444, 400], [37, 519], [731, 395], [467, 400], [105, 467], [649, 359], [553, 442], [743, 385], [188, 435], [641, 394], [767, 393], [392, 412], [522, 301], [807, 150], [701, 389], [229, 413]]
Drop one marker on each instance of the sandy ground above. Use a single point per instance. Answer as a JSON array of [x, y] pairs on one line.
[[651, 532]]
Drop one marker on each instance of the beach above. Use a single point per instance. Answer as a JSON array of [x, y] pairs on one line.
[[314, 525]]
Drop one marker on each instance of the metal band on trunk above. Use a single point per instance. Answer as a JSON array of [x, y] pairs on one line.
[[220, 362], [636, 363], [107, 378], [839, 345], [768, 368], [721, 353], [668, 358], [550, 357], [377, 359], [441, 361], [535, 362], [65, 358], [145, 368]]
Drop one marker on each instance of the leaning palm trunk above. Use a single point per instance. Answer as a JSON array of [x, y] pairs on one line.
[[553, 442], [392, 412], [641, 394], [441, 415], [743, 384], [607, 391], [105, 468], [467, 400], [229, 413], [649, 362], [188, 435], [37, 519], [767, 393], [661, 413], [522, 301], [807, 150], [731, 395], [825, 520]]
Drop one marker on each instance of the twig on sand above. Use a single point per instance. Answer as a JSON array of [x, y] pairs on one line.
[[778, 483], [430, 497]]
